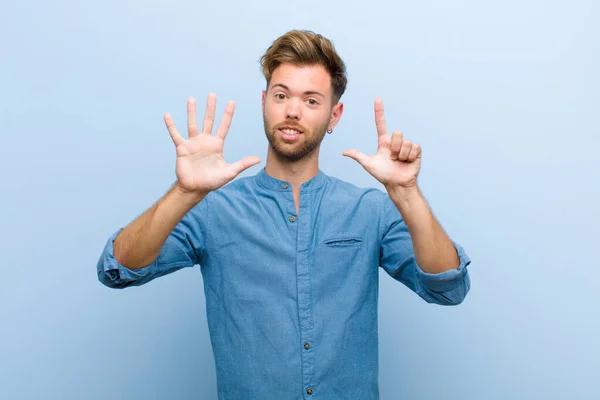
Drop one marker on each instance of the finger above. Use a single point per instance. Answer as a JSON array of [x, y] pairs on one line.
[[209, 115], [404, 150], [177, 139], [415, 152], [243, 164], [380, 118], [395, 145], [226, 121], [356, 155], [191, 115]]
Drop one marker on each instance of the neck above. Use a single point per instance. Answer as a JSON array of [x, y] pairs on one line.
[[296, 172]]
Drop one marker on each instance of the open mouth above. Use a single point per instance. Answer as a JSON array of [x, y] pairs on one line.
[[290, 133]]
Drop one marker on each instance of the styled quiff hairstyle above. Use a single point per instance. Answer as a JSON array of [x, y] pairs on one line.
[[306, 48]]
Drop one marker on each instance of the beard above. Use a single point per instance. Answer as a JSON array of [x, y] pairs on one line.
[[311, 139]]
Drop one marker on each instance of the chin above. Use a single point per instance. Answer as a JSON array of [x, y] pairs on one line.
[[292, 151], [287, 155]]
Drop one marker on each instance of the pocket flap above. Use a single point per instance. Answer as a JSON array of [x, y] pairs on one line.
[[345, 241]]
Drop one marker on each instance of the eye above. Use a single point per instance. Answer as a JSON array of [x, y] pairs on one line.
[[280, 96], [313, 102]]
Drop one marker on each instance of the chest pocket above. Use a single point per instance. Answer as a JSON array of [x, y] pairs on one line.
[[338, 260], [340, 251], [343, 242]]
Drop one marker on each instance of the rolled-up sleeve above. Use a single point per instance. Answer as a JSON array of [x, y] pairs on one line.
[[448, 287], [183, 248], [398, 259]]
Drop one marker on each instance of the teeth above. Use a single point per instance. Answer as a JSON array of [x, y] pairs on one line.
[[290, 131]]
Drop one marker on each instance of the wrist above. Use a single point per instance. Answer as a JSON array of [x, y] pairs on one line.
[[404, 196], [191, 197]]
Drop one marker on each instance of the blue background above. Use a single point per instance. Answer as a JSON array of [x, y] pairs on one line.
[[503, 97]]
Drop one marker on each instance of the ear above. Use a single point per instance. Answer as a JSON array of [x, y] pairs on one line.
[[264, 95], [336, 114]]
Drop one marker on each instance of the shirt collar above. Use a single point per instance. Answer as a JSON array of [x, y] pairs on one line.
[[268, 182]]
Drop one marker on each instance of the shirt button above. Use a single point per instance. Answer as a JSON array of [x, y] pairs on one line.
[[285, 186], [307, 345], [309, 390], [292, 218]]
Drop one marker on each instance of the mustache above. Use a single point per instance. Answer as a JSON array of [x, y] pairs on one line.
[[290, 125]]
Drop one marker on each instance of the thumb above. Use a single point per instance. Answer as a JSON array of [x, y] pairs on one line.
[[356, 155], [243, 164]]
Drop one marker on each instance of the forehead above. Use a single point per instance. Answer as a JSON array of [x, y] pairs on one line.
[[302, 78]]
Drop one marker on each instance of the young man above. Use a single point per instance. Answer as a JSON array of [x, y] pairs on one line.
[[290, 257]]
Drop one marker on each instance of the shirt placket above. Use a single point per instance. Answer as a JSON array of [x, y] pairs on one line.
[[303, 279]]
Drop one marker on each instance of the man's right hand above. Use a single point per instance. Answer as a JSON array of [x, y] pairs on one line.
[[200, 165]]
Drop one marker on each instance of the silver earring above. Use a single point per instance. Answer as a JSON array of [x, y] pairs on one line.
[[329, 131]]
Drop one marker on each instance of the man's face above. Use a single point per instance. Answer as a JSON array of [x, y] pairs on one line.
[[297, 110]]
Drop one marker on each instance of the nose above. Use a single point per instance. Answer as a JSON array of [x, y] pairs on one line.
[[292, 110]]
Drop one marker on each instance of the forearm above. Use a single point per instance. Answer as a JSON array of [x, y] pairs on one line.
[[140, 242], [434, 251]]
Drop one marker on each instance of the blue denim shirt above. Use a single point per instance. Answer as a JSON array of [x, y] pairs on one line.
[[291, 298]]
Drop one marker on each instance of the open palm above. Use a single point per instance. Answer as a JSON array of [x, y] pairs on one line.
[[200, 165]]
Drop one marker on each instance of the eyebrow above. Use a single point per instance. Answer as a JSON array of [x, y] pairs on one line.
[[307, 92]]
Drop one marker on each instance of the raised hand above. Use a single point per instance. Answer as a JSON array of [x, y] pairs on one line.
[[397, 161], [200, 166]]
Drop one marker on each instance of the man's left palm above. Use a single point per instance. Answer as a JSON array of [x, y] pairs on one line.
[[397, 161]]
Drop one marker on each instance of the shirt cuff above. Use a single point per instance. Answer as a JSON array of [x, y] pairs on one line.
[[448, 280], [115, 275]]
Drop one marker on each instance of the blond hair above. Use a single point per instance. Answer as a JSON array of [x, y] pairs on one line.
[[306, 48]]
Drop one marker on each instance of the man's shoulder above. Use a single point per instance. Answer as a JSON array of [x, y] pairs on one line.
[[339, 188], [239, 186]]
